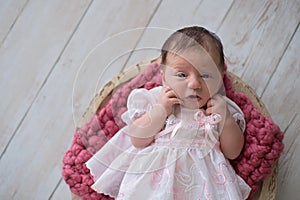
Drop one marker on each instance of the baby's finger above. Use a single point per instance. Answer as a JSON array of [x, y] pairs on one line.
[[209, 103], [174, 101], [166, 89], [170, 93], [209, 111]]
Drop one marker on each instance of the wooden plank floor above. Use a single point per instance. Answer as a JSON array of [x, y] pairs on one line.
[[52, 54]]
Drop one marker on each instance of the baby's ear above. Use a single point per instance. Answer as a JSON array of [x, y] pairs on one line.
[[162, 73], [223, 72]]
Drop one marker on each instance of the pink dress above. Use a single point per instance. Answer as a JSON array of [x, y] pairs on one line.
[[183, 162]]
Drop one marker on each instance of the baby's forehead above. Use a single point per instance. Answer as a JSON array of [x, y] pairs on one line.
[[193, 61], [191, 57]]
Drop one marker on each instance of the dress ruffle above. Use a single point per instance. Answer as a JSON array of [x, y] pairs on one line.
[[184, 162], [168, 173]]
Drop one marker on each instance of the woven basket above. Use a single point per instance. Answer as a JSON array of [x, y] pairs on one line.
[[269, 185]]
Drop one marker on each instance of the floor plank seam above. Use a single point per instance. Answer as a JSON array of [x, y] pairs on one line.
[[13, 24], [16, 130], [279, 61], [290, 122], [141, 36], [55, 188], [225, 16], [45, 81]]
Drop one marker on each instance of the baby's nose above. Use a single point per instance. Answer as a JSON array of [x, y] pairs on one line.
[[194, 82]]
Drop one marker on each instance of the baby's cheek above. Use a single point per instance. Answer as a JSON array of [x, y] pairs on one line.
[[214, 87]]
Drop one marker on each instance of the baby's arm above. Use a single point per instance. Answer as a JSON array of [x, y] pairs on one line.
[[144, 129], [231, 136]]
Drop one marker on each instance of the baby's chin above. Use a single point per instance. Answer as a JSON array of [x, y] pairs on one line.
[[194, 105]]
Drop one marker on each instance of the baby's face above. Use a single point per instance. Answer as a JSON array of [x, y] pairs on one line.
[[194, 77]]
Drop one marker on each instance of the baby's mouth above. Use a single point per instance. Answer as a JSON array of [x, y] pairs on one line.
[[193, 98]]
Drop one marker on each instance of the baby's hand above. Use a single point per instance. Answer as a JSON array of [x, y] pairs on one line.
[[167, 98], [217, 105]]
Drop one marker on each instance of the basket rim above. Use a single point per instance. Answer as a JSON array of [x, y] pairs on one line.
[[269, 184], [127, 74]]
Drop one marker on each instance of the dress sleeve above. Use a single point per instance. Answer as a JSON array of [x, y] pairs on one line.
[[236, 113], [139, 101]]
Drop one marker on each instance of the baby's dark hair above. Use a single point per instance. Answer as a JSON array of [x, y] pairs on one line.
[[193, 36]]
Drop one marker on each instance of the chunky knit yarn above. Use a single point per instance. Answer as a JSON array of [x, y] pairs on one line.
[[263, 138]]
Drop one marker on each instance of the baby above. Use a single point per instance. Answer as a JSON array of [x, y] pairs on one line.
[[178, 136]]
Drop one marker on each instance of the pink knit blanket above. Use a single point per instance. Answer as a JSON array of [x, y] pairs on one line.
[[263, 138]]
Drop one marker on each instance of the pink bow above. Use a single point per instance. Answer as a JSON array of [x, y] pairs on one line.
[[207, 121], [202, 119]]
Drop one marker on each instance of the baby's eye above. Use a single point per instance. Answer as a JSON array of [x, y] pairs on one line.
[[181, 75], [205, 76]]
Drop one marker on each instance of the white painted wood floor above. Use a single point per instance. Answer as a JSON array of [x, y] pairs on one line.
[[48, 76]]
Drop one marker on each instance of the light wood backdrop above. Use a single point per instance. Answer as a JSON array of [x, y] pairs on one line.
[[55, 55]]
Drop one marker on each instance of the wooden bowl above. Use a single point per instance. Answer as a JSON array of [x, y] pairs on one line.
[[268, 186]]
